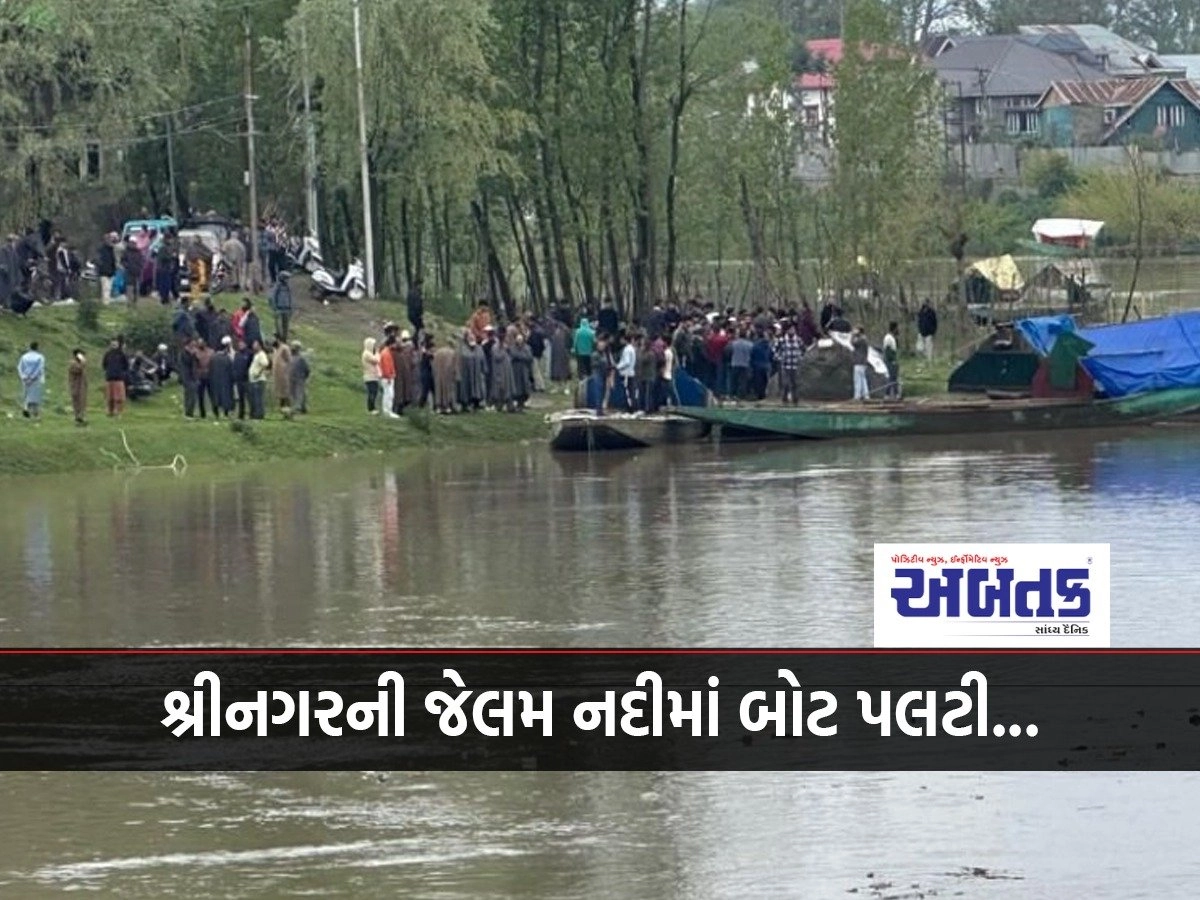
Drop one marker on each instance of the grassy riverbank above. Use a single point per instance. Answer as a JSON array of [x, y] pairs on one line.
[[156, 430]]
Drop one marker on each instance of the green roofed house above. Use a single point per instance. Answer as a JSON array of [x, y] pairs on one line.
[[1116, 110]]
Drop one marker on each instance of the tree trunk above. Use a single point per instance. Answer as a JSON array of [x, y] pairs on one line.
[[754, 232], [682, 90], [406, 240], [547, 248], [642, 262], [527, 254], [614, 258], [495, 268]]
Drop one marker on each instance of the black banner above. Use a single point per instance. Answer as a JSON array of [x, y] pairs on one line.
[[851, 710]]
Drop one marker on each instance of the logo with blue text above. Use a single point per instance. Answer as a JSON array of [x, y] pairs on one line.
[[992, 595]]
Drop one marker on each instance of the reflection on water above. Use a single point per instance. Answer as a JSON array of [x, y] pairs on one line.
[[729, 546]]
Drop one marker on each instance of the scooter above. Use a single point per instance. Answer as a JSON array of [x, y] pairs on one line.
[[350, 284], [305, 254]]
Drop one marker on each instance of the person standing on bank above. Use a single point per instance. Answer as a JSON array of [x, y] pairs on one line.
[[106, 265], [220, 379], [299, 373], [281, 371], [31, 369], [242, 360], [260, 365], [584, 345], [416, 308], [116, 369], [77, 385], [370, 373], [862, 353], [280, 302], [891, 358], [927, 326]]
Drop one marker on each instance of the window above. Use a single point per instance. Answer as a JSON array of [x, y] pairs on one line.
[[92, 162], [1171, 116], [1110, 115], [1021, 122]]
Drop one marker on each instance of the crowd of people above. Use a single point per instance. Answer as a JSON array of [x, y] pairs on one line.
[[736, 355], [225, 363], [150, 260]]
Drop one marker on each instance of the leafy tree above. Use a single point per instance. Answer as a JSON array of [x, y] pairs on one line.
[[887, 150]]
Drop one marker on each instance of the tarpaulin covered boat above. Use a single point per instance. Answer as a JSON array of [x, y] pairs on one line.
[[1097, 377]]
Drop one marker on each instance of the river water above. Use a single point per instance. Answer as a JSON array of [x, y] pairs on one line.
[[728, 546]]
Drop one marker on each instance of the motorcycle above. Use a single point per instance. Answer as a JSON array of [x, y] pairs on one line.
[[349, 284]]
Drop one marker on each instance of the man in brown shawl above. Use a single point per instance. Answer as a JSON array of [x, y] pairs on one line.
[[408, 386], [77, 383], [445, 377], [281, 371]]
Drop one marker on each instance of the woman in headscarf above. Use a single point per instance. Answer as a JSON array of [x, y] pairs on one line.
[[522, 368], [472, 374], [445, 377], [281, 371], [370, 373], [77, 384]]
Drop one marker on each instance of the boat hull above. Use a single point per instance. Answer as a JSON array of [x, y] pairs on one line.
[[584, 434], [846, 420]]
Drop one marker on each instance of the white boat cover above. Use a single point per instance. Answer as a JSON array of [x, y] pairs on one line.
[[1066, 229]]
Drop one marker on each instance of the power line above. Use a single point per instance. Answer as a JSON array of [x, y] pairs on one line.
[[147, 117]]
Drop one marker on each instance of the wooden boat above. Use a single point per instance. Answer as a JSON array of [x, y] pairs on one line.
[[581, 430], [817, 421]]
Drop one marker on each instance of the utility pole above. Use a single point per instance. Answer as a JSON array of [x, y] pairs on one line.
[[368, 232], [251, 176], [171, 170], [310, 135]]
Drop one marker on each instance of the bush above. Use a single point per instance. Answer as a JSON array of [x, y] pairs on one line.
[[87, 315], [145, 329]]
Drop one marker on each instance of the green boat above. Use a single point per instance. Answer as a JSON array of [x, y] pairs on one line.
[[823, 421]]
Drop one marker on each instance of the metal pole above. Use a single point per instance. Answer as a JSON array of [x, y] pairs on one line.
[[251, 176], [368, 232], [310, 138], [171, 170]]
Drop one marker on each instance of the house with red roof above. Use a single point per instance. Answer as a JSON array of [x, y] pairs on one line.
[[814, 89]]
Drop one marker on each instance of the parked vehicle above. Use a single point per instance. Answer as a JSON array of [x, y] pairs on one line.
[[326, 284]]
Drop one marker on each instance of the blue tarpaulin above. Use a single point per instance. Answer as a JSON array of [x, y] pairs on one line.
[[1150, 355]]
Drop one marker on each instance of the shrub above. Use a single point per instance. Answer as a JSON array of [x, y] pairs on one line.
[[145, 329], [87, 315]]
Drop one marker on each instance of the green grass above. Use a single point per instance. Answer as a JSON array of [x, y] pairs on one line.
[[156, 430]]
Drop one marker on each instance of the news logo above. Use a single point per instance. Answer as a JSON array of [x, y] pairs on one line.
[[992, 595]]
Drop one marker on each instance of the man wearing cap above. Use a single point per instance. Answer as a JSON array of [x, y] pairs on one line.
[[281, 303]]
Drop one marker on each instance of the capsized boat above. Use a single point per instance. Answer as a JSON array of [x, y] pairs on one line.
[[821, 421], [583, 430], [587, 429]]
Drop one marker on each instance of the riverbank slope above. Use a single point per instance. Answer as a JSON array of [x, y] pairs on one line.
[[156, 430]]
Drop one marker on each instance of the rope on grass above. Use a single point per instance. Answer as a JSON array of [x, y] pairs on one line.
[[177, 466]]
